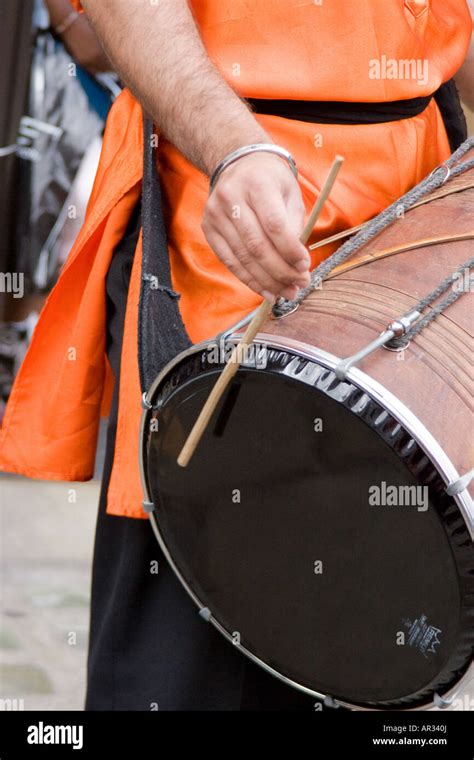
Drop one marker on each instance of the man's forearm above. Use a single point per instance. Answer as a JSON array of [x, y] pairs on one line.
[[157, 50], [465, 76]]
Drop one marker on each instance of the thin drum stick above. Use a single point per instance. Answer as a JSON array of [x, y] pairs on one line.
[[260, 317]]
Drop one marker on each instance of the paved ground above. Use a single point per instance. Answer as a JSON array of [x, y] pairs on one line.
[[45, 552], [46, 547]]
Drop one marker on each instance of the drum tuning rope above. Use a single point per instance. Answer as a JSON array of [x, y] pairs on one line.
[[399, 333], [437, 308], [438, 177]]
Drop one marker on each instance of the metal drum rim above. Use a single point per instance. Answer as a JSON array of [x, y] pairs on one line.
[[448, 696], [365, 383]]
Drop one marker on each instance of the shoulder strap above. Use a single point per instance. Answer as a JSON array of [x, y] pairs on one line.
[[161, 332], [447, 99]]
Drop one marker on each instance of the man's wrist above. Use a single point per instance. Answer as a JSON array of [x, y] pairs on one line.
[[66, 22], [248, 150]]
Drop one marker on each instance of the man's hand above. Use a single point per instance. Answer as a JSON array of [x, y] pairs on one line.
[[157, 50], [253, 220]]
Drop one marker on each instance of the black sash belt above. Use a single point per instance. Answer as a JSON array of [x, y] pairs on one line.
[[335, 112]]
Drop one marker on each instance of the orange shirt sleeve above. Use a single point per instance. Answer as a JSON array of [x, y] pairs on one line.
[[77, 5]]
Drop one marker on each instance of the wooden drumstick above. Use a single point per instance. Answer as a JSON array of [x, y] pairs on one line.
[[260, 317]]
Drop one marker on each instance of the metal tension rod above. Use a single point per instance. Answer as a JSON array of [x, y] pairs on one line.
[[396, 329]]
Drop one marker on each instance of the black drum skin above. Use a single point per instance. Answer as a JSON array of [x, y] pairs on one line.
[[283, 527]]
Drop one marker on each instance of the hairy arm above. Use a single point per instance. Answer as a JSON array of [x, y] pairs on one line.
[[157, 50]]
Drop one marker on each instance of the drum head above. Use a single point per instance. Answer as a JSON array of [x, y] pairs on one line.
[[315, 530]]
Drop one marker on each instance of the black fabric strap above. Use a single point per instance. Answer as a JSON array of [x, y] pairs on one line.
[[161, 332], [335, 112], [449, 103]]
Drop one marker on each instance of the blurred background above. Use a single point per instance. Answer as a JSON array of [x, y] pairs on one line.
[[56, 89]]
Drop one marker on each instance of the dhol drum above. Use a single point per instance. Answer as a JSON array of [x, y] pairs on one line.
[[324, 525]]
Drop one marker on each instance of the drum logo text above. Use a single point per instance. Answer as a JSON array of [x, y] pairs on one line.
[[422, 636]]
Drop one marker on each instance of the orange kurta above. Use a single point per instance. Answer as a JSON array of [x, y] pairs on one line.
[[273, 48]]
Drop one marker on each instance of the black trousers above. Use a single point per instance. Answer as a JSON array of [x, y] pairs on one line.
[[148, 647]]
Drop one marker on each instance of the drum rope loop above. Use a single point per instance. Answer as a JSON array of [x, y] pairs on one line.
[[437, 308], [438, 177]]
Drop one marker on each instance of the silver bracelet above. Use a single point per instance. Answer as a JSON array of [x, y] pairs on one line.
[[67, 22], [247, 150]]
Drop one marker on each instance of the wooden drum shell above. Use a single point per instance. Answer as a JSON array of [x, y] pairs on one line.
[[433, 377]]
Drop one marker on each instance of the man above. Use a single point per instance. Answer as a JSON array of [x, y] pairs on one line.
[[324, 69]]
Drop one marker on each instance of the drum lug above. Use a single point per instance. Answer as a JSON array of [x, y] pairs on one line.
[[331, 702], [398, 348], [205, 613], [148, 507], [396, 329], [286, 314], [460, 484], [222, 337], [146, 404], [443, 702], [443, 168]]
